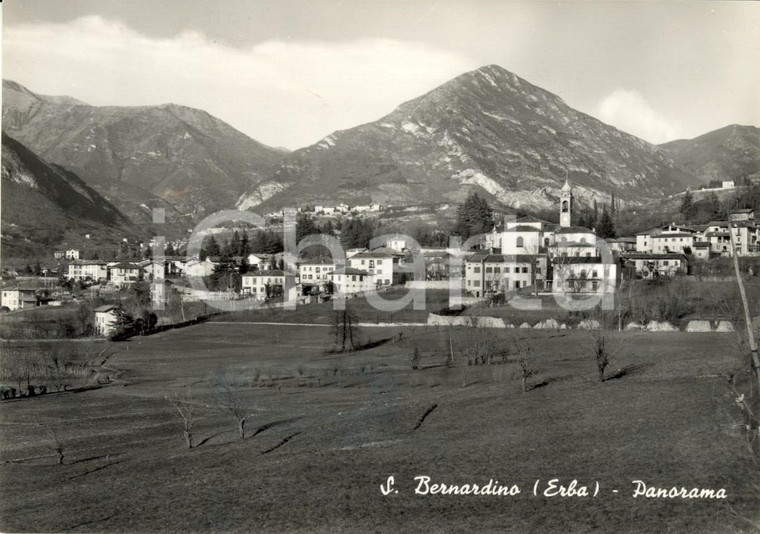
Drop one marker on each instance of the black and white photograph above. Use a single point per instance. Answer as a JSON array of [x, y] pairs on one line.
[[387, 266]]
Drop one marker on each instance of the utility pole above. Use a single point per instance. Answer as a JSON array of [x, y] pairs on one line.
[[745, 304]]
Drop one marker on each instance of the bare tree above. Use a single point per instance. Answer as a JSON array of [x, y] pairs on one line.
[[344, 331], [56, 441], [600, 347], [524, 352], [230, 400], [186, 410]]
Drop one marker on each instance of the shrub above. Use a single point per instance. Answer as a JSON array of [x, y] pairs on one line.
[[414, 358]]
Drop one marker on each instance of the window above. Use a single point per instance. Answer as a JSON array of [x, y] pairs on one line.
[[525, 269], [353, 278], [476, 283], [497, 270], [489, 270], [476, 269], [520, 242], [506, 270], [565, 206]]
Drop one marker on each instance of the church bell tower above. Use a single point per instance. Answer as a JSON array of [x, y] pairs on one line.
[[566, 206]]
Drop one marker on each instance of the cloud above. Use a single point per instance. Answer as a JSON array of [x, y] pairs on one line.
[[281, 93], [630, 112]]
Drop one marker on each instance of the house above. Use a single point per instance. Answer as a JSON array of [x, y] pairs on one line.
[[746, 236], [622, 245], [315, 272], [583, 274], [106, 319], [59, 254], [266, 284], [72, 254], [487, 273], [87, 270], [382, 266], [200, 268], [525, 235], [701, 250], [654, 265], [18, 298], [257, 261], [575, 241], [348, 280], [666, 242], [125, 273], [728, 184], [747, 214], [397, 244]]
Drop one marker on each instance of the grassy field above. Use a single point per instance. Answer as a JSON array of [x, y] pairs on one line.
[[363, 311], [325, 430]]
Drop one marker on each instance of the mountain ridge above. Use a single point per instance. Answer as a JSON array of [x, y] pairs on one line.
[[487, 129], [182, 155]]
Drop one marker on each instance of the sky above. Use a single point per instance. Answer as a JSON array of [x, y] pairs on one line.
[[288, 73]]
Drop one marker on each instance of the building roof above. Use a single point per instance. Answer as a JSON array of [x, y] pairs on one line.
[[581, 259], [483, 257], [317, 261], [665, 256], [373, 254], [268, 272], [106, 308], [631, 240], [566, 188], [574, 230], [523, 228], [700, 244], [88, 262], [677, 234], [127, 265], [351, 271]]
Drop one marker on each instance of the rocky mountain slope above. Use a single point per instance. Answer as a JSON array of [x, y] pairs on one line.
[[486, 129], [41, 202], [725, 154], [182, 155]]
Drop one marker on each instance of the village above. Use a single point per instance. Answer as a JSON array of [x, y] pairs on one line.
[[518, 254]]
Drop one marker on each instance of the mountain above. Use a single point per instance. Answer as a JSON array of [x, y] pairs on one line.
[[42, 202], [725, 154], [134, 155], [487, 129]]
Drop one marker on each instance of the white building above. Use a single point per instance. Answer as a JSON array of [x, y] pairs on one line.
[[396, 244], [664, 243], [106, 319], [347, 280], [125, 273], [200, 268], [746, 236], [72, 254], [257, 261], [487, 273], [584, 275], [91, 270], [266, 283], [729, 184], [652, 265], [316, 271], [17, 298], [382, 266]]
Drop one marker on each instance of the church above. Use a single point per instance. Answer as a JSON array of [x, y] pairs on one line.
[[530, 252]]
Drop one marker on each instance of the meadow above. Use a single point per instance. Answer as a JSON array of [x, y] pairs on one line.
[[324, 430]]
